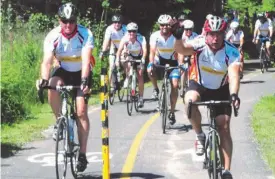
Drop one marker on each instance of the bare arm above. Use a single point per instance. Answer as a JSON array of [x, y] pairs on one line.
[[86, 55], [106, 44], [241, 41], [46, 65], [152, 54], [180, 59], [234, 78], [120, 48], [144, 49], [183, 48]]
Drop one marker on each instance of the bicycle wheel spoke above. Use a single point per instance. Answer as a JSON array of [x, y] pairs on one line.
[[129, 97]]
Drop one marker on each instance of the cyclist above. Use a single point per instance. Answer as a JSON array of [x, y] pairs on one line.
[[162, 52], [214, 75], [134, 45], [187, 35], [71, 44], [113, 35], [182, 18], [263, 29], [236, 37]]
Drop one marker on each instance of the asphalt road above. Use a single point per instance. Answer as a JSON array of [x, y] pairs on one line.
[[138, 149]]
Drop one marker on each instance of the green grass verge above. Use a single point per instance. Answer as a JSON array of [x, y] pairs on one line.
[[263, 124]]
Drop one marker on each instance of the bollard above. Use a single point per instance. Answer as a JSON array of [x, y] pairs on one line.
[[105, 125]]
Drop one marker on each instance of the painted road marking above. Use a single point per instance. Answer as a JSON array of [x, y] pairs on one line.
[[48, 159], [130, 160]]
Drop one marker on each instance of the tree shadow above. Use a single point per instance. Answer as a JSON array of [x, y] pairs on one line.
[[9, 150], [121, 175], [251, 81]]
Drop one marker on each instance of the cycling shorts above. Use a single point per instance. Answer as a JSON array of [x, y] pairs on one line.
[[206, 94]]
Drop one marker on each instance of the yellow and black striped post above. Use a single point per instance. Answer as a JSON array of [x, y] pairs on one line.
[[105, 125]]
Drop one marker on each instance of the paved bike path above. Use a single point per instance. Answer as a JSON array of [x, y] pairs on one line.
[[152, 154]]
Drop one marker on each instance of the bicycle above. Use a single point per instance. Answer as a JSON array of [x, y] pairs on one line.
[[117, 82], [67, 145], [164, 100], [132, 86], [187, 63], [213, 161], [263, 55]]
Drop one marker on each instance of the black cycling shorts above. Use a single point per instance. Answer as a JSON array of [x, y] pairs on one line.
[[163, 62], [213, 94], [69, 78]]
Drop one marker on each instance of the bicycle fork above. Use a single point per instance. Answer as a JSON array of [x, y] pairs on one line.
[[134, 82]]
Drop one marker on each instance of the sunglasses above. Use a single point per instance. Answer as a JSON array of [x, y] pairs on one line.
[[117, 22], [188, 29], [134, 31], [164, 25], [68, 21]]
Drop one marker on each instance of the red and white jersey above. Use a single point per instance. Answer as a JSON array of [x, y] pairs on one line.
[[209, 69], [68, 51], [134, 48]]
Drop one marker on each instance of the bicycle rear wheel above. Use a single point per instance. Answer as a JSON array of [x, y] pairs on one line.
[[61, 149], [129, 97], [112, 94], [121, 90], [261, 61]]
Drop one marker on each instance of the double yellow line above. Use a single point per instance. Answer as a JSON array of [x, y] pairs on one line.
[[130, 160]]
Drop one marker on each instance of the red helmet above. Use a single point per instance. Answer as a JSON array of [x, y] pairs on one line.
[[215, 24]]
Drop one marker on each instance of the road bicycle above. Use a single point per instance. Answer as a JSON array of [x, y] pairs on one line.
[[185, 80], [67, 144], [132, 86], [213, 161], [264, 62], [164, 100]]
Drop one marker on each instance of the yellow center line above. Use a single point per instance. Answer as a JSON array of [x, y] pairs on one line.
[[131, 158]]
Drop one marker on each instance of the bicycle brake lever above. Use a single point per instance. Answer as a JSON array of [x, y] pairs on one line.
[[41, 95]]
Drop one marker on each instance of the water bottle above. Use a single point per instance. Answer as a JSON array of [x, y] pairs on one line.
[[71, 128]]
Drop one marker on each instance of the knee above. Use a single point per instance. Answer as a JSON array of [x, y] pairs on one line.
[[175, 84], [82, 114], [223, 123]]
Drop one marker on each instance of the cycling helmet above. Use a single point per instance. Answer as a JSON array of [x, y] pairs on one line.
[[132, 26], [215, 24], [116, 18], [234, 25], [182, 17], [209, 16], [67, 11], [188, 24], [164, 19], [260, 15]]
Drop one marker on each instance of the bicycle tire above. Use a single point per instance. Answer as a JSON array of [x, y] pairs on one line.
[[136, 97], [165, 109], [213, 156], [261, 62], [121, 91], [129, 97], [265, 61], [62, 126], [112, 97], [74, 154]]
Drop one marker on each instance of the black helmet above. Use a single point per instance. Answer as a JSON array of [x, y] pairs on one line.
[[116, 18], [67, 11], [182, 17]]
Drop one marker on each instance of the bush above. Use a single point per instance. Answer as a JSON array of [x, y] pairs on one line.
[[39, 22]]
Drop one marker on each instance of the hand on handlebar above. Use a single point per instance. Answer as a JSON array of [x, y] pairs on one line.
[[236, 102], [41, 83]]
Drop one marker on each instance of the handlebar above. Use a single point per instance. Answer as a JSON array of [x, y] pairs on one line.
[[131, 60], [167, 67], [57, 88], [209, 103]]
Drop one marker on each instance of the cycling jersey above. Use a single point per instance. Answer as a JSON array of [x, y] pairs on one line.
[[234, 38], [263, 28], [186, 38], [68, 51], [165, 48], [209, 69], [115, 36], [134, 49]]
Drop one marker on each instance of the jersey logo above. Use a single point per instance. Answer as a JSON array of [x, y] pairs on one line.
[[212, 71]]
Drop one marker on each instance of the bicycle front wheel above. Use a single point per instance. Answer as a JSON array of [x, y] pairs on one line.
[[129, 97], [213, 157], [61, 149], [262, 63], [164, 108]]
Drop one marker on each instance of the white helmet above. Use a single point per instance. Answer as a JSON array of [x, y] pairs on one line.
[[215, 24], [164, 19], [132, 26], [234, 25], [209, 16], [188, 24]]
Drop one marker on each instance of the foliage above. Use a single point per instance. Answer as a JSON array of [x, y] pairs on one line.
[[39, 22]]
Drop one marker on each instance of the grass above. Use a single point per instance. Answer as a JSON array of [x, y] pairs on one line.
[[263, 124]]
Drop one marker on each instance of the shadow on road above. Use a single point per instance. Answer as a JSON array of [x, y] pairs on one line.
[[251, 81], [122, 175], [8, 150], [181, 128]]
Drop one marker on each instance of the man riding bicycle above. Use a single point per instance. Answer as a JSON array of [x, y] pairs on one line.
[[71, 44], [236, 36], [113, 35], [187, 35], [263, 29], [133, 45], [214, 75], [162, 52]]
